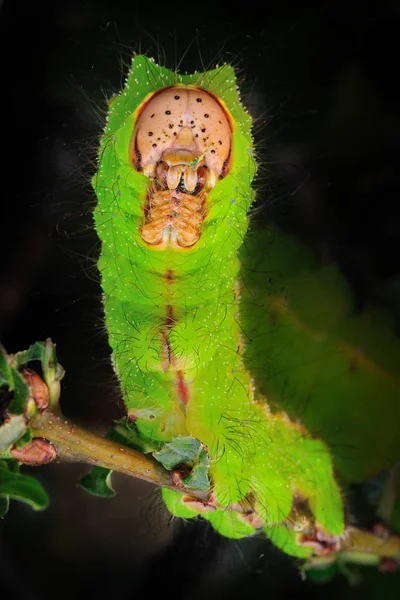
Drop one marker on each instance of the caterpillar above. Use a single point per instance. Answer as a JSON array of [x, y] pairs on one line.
[[174, 187]]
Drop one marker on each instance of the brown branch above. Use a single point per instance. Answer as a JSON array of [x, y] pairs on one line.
[[75, 444], [363, 548], [366, 542]]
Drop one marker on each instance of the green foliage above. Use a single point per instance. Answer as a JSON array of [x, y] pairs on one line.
[[312, 355], [11, 378], [53, 372], [188, 452], [16, 486], [98, 482], [15, 431]]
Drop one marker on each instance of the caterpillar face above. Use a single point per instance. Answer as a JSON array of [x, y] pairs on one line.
[[182, 140], [179, 124]]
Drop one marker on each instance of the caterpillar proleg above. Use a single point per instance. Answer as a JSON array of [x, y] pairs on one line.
[[176, 164]]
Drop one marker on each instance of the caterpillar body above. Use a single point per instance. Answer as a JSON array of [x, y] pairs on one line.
[[176, 163]]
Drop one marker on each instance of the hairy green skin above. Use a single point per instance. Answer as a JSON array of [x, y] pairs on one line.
[[253, 453]]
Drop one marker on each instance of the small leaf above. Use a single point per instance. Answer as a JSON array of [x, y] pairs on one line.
[[10, 377], [21, 393], [22, 487], [198, 478], [183, 450], [35, 352], [178, 451], [11, 431], [98, 482], [53, 372]]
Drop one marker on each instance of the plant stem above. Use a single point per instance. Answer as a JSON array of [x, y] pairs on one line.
[[361, 547], [365, 542], [75, 444]]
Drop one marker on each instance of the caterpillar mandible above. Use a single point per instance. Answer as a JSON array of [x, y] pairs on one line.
[[176, 164]]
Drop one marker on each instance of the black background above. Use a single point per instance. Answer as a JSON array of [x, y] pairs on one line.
[[321, 81]]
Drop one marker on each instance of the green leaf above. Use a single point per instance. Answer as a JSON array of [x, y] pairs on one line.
[[35, 352], [21, 487], [189, 451], [11, 431], [178, 451], [98, 482], [21, 393], [317, 359], [53, 372], [198, 478], [10, 377]]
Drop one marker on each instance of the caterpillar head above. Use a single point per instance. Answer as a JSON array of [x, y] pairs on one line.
[[182, 138]]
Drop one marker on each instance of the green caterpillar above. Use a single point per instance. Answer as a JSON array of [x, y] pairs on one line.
[[173, 184]]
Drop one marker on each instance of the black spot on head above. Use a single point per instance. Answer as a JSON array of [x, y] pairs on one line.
[[174, 132], [167, 112], [176, 97], [203, 130], [212, 151], [150, 133], [154, 145], [138, 160], [158, 139], [192, 122], [224, 167], [198, 100], [197, 135], [152, 115], [206, 115], [220, 122], [171, 126], [220, 143]]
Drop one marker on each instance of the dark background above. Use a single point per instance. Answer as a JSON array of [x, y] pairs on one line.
[[321, 80]]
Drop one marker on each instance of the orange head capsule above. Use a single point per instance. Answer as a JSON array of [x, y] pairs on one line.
[[185, 129]]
